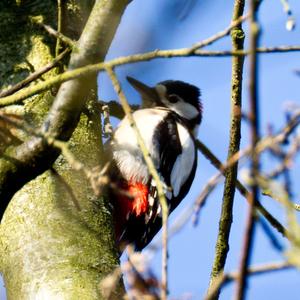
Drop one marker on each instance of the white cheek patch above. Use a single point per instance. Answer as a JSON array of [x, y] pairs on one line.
[[184, 162], [182, 108]]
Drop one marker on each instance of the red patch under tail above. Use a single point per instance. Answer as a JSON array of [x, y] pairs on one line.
[[136, 205]]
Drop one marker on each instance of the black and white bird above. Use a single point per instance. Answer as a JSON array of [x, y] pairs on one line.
[[168, 124]]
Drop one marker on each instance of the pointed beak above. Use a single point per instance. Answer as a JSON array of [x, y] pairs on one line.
[[149, 94]]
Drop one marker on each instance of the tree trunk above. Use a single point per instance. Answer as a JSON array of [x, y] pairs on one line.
[[50, 248]]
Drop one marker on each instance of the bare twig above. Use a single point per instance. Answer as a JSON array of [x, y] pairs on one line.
[[223, 279], [222, 244], [93, 68], [282, 196], [262, 145], [59, 26], [286, 159], [275, 242], [34, 76], [57, 34], [254, 122], [141, 282], [237, 20], [154, 174], [141, 286], [217, 163]]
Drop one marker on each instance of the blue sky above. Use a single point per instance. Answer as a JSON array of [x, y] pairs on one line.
[[157, 24]]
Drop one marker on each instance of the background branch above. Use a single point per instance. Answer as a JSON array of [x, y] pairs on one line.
[[222, 244], [57, 34], [254, 127], [242, 189], [223, 279]]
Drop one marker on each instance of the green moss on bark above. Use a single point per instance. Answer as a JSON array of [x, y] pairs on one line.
[[49, 248]]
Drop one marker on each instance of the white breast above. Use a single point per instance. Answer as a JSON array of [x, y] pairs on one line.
[[126, 151]]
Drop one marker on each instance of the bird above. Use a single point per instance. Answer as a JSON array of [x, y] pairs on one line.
[[168, 122]]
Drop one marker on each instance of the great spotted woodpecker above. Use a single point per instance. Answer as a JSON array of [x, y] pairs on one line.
[[168, 124]]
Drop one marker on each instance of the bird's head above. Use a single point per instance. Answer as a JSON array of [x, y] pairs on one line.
[[178, 96]]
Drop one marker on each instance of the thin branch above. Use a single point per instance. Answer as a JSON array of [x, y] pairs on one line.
[[278, 49], [262, 145], [154, 174], [242, 189], [58, 35], [237, 20], [34, 76], [275, 241], [59, 26], [254, 122], [283, 197], [223, 279], [222, 244], [140, 284], [286, 160], [274, 195], [94, 68]]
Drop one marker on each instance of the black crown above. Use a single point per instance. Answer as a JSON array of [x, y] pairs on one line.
[[186, 91]]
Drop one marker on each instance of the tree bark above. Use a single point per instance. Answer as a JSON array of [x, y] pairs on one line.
[[50, 249]]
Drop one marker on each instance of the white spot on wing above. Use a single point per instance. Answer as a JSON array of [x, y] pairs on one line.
[[159, 212], [151, 201], [184, 162], [153, 182]]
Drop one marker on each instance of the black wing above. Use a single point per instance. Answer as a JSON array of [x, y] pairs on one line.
[[170, 148]]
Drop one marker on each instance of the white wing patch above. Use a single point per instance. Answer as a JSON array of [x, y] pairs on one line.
[[184, 162]]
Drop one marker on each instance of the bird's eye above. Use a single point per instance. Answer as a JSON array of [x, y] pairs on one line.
[[173, 98]]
